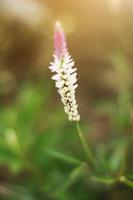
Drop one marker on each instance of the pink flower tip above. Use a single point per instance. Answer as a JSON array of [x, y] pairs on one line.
[[59, 40]]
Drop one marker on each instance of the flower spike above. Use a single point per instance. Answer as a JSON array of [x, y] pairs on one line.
[[65, 75]]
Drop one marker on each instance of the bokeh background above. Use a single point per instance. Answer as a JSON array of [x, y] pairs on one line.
[[34, 131]]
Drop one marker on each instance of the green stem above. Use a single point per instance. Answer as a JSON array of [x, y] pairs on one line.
[[127, 182], [103, 180], [63, 157], [85, 146], [73, 177]]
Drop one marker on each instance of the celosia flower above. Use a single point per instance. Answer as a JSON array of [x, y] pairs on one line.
[[65, 75]]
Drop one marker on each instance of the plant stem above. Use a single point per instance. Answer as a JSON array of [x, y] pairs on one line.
[[85, 146], [63, 157], [103, 180], [127, 182], [75, 174]]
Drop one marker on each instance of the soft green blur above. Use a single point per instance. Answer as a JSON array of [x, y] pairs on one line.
[[40, 155]]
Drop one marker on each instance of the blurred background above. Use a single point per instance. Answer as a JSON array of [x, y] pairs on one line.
[[34, 131]]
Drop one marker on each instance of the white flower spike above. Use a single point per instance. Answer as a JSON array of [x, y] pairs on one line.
[[65, 75]]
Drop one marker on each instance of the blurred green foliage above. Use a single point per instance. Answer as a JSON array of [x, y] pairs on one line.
[[40, 155]]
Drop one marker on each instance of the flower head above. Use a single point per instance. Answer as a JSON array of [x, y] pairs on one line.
[[59, 41], [65, 75]]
